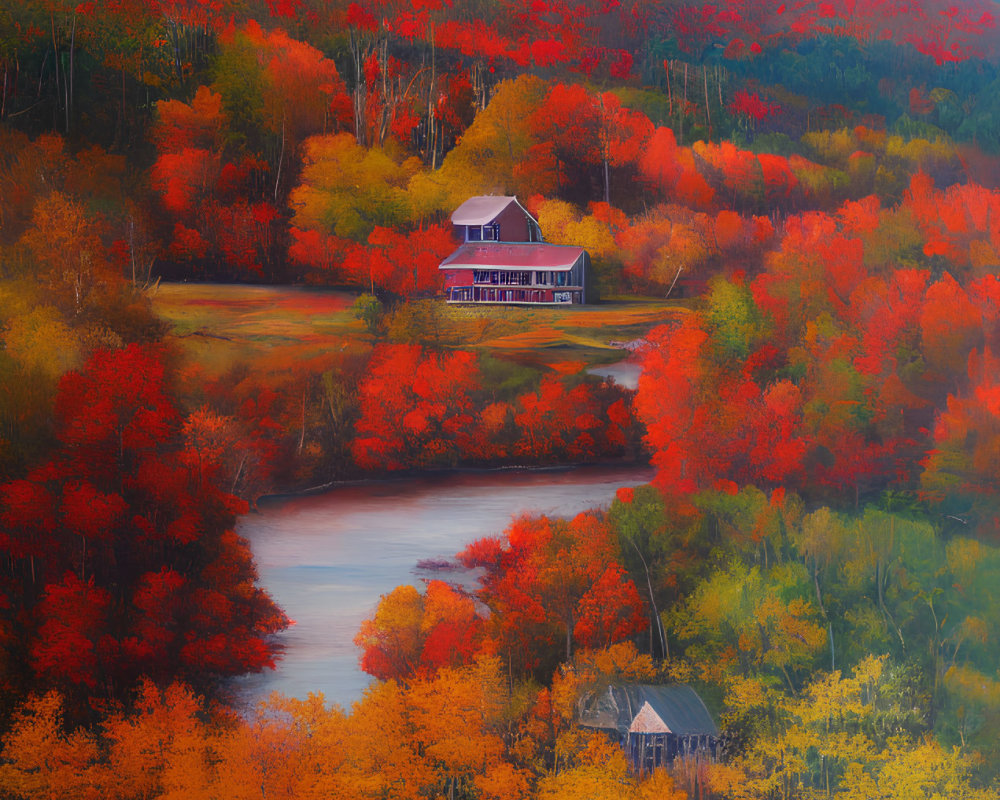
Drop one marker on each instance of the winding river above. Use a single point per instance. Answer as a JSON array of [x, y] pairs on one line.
[[327, 558]]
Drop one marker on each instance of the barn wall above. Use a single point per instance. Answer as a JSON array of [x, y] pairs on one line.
[[647, 751], [513, 224]]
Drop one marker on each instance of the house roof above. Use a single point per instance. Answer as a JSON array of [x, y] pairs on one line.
[[482, 209], [513, 255], [679, 708]]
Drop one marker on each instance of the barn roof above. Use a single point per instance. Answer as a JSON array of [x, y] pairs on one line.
[[678, 706], [514, 255], [483, 209]]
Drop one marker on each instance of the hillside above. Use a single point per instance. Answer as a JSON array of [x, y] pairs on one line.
[[220, 231]]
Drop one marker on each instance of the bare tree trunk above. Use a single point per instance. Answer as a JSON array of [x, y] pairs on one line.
[[236, 477], [822, 610], [384, 116], [664, 647], [41, 75], [431, 127], [684, 107], [360, 90], [281, 158], [708, 113], [674, 281], [670, 92], [175, 35], [72, 52], [55, 53], [879, 574], [131, 247], [302, 436]]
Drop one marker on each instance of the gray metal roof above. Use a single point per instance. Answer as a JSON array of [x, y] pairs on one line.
[[679, 706]]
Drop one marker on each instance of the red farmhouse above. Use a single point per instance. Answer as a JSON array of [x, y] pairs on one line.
[[504, 258]]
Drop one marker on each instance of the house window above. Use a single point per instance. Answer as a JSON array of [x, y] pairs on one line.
[[482, 233]]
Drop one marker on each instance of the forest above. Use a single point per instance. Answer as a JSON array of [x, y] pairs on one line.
[[805, 196]]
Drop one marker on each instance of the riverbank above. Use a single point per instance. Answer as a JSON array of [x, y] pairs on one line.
[[326, 558], [282, 378], [445, 474]]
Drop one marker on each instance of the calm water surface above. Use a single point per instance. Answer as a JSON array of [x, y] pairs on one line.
[[625, 373], [326, 559]]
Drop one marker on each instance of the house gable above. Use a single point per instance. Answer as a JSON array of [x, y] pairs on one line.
[[493, 218], [678, 706], [655, 725], [648, 721]]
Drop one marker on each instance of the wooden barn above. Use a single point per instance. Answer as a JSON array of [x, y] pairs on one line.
[[654, 724], [503, 258]]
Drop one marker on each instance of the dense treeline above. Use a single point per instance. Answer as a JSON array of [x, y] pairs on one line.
[[850, 653], [817, 552], [292, 140]]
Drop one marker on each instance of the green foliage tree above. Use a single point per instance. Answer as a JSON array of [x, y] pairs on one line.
[[369, 310]]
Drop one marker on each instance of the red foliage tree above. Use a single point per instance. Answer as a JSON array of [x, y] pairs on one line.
[[960, 471], [671, 170], [217, 215], [73, 646], [567, 126], [404, 264], [133, 567], [551, 582], [415, 408]]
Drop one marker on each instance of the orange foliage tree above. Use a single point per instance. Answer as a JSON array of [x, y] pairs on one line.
[[413, 635]]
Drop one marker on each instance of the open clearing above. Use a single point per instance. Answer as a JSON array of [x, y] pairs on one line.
[[222, 325]]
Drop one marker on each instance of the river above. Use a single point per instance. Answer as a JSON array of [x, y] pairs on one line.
[[327, 558]]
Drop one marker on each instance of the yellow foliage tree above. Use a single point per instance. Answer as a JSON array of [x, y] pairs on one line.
[[348, 190], [41, 340], [492, 155]]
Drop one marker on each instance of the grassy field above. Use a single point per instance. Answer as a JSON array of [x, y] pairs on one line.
[[221, 325]]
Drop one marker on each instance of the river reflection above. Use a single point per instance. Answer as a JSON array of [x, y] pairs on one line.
[[327, 558]]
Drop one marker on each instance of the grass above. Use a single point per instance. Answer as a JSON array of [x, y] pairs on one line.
[[220, 325]]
